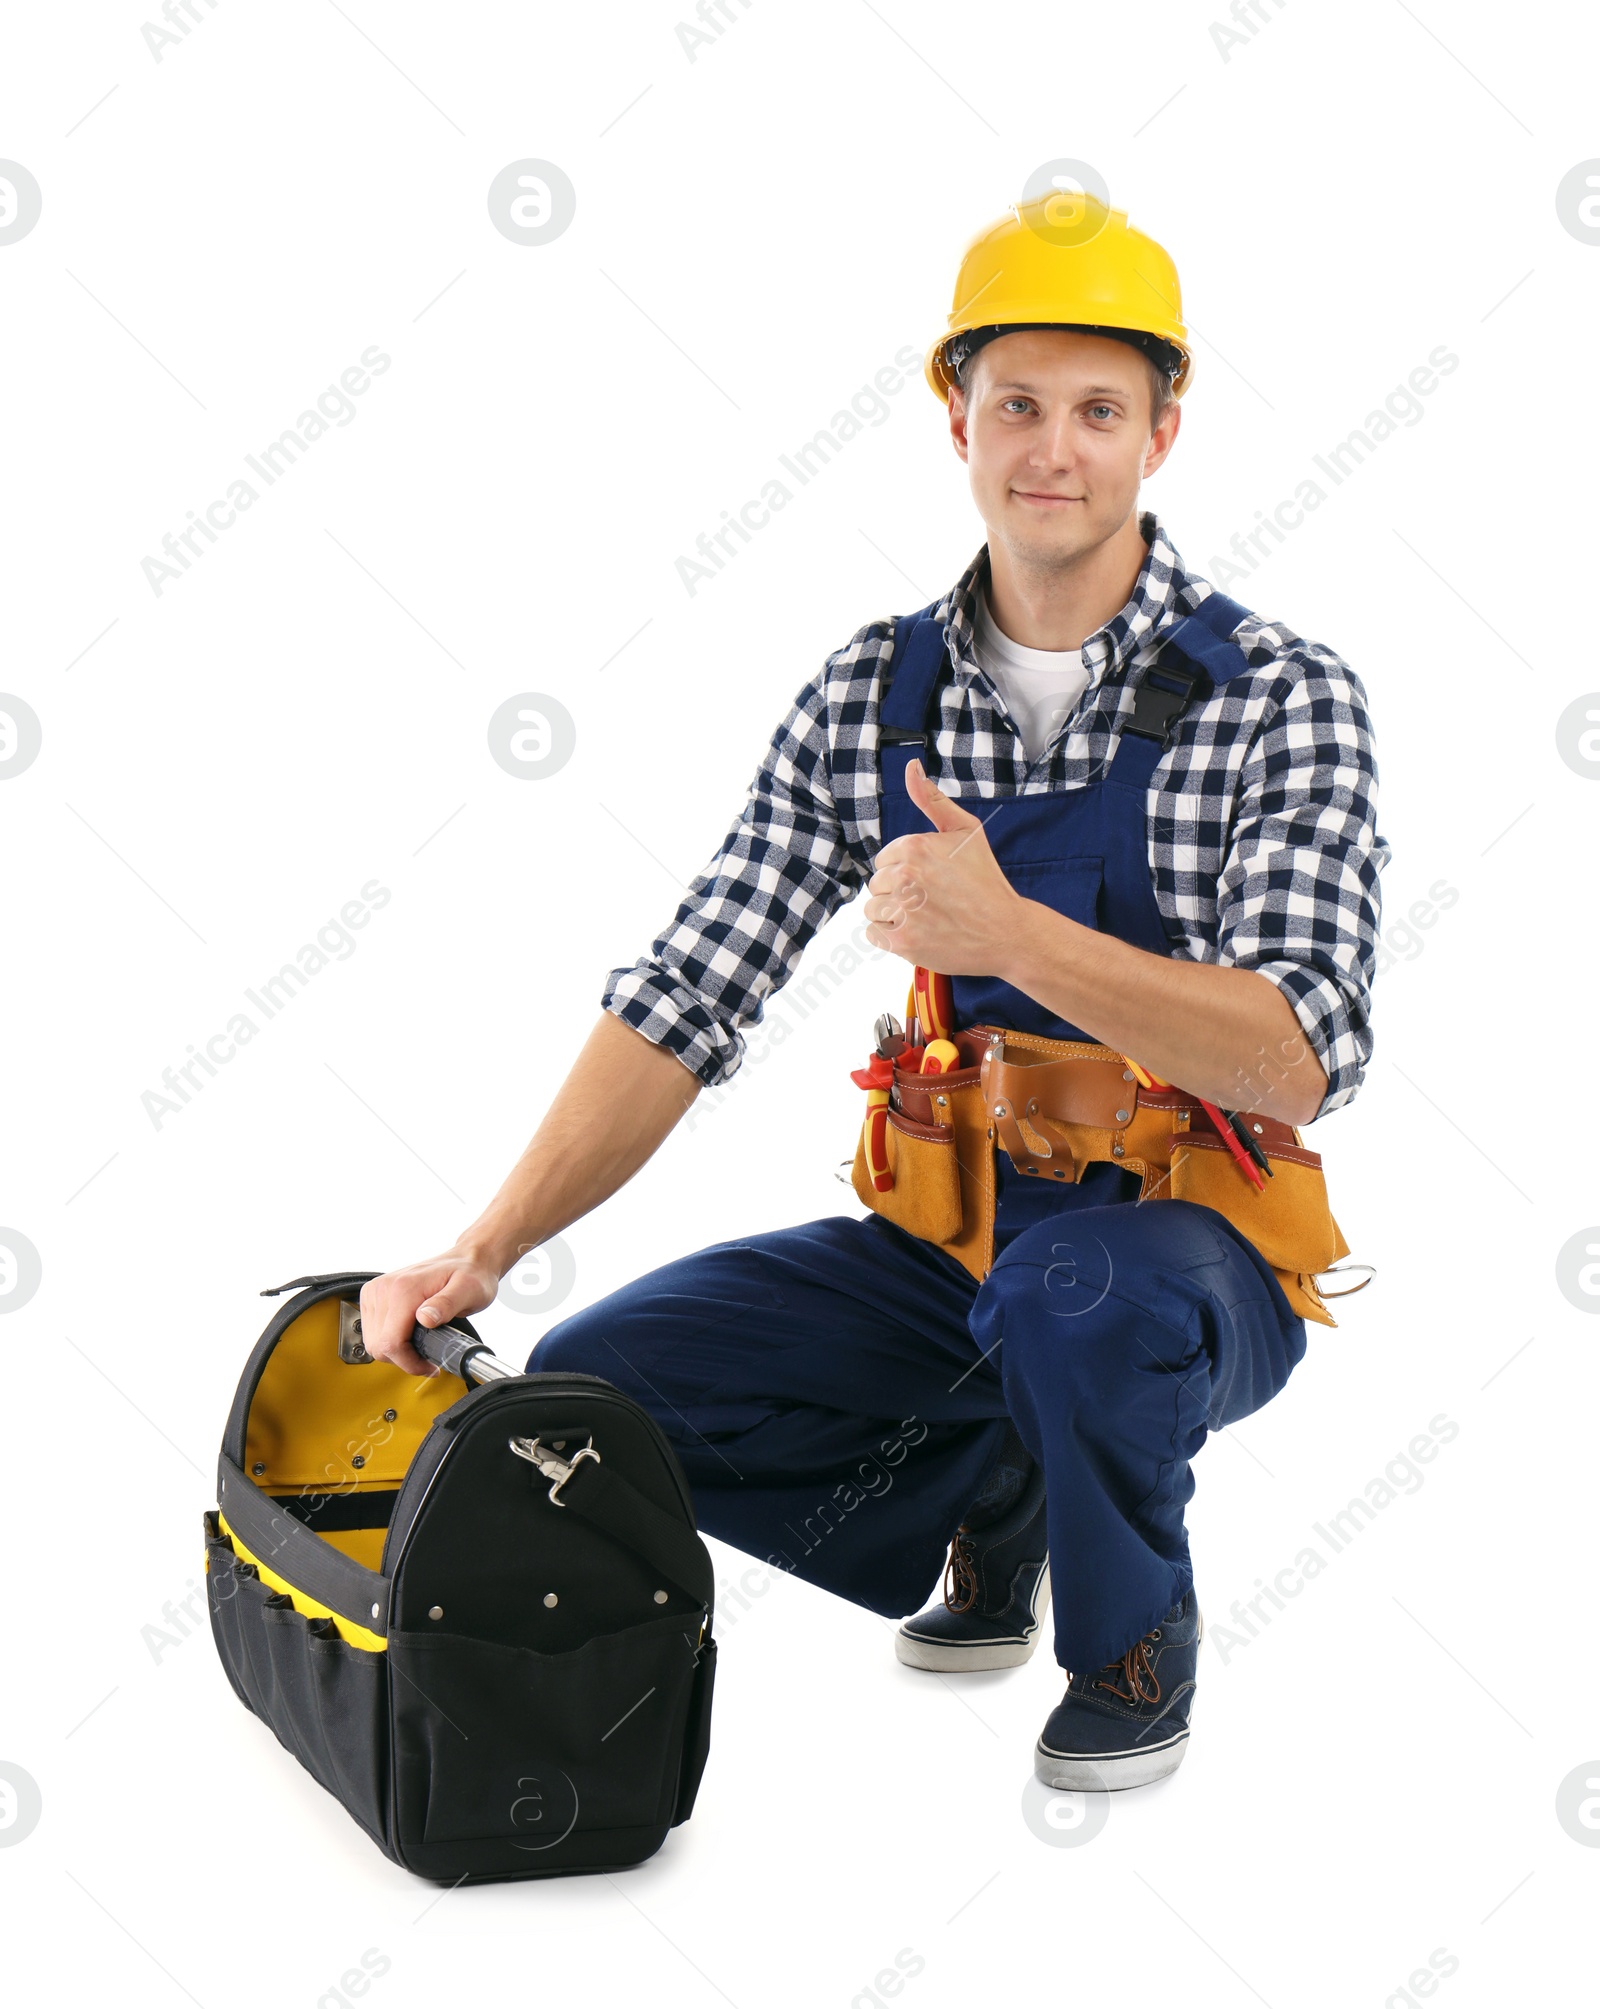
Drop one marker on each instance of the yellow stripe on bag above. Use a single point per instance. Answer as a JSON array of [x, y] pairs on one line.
[[347, 1629]]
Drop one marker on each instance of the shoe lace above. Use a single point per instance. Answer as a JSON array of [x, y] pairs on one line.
[[961, 1573], [1136, 1669]]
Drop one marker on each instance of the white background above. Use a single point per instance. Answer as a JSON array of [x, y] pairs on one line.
[[224, 765]]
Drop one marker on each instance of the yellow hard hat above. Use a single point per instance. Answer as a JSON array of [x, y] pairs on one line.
[[1065, 259]]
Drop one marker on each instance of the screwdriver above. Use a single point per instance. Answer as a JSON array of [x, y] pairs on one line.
[[1241, 1130], [1223, 1126], [934, 1001]]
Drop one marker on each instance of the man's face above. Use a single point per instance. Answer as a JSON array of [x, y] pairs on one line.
[[1057, 438]]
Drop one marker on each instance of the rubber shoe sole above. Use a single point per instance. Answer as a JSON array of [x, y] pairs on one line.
[[943, 1656], [1110, 1771]]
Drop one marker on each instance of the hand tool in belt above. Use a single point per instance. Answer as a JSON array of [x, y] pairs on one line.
[[935, 1003], [1246, 1153]]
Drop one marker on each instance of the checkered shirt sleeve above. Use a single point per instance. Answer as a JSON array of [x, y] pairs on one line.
[[1298, 897], [783, 868]]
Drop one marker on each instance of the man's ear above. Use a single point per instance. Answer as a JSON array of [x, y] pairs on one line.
[[958, 420], [1161, 440]]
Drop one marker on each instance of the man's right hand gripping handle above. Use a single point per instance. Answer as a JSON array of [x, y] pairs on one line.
[[426, 1293]]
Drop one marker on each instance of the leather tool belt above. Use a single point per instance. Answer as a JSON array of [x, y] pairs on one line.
[[1057, 1105]]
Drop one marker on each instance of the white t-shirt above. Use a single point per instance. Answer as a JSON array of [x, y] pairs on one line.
[[1041, 687]]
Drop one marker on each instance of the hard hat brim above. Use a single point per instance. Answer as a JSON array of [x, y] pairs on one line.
[[941, 380]]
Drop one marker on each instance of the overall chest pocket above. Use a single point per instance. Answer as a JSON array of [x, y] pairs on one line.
[[1072, 886]]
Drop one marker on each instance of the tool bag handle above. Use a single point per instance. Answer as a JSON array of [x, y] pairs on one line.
[[600, 1495], [459, 1353]]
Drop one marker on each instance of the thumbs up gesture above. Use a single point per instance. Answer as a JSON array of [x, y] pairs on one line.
[[938, 897]]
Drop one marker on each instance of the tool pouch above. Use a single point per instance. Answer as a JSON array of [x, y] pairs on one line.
[[1058, 1105], [1289, 1224], [925, 1198], [941, 1158]]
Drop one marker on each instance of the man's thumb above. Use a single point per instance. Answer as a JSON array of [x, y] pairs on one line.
[[941, 810], [456, 1296]]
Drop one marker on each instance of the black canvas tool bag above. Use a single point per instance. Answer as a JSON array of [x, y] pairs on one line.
[[473, 1605]]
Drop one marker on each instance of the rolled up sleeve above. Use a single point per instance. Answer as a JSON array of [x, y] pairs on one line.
[[738, 934], [1299, 898]]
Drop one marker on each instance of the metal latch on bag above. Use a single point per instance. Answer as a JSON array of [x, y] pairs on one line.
[[552, 1465]]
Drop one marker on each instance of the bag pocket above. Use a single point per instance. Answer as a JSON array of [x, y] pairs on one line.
[[1288, 1224], [697, 1735], [221, 1593], [925, 1199], [534, 1752], [325, 1700]]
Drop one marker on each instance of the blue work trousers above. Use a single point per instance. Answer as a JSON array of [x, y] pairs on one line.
[[838, 1391]]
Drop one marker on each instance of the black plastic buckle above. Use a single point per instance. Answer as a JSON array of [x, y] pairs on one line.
[[1160, 701]]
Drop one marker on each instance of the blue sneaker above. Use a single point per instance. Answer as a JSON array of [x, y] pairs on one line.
[[1128, 1724], [996, 1591]]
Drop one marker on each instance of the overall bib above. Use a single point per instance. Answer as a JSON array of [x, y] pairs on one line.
[[838, 1391]]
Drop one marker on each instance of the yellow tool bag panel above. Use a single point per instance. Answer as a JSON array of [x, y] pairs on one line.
[[1055, 1106], [473, 1605]]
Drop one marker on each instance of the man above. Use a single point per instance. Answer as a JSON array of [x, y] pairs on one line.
[[848, 1400]]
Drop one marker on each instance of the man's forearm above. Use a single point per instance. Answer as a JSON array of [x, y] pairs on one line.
[[611, 1114], [1227, 1034]]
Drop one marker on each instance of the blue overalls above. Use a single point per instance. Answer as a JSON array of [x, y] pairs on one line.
[[838, 1391]]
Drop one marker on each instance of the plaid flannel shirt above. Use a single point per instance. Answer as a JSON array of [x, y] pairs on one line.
[[1262, 831]]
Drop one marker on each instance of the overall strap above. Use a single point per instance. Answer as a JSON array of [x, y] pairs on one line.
[[904, 721], [1194, 657]]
